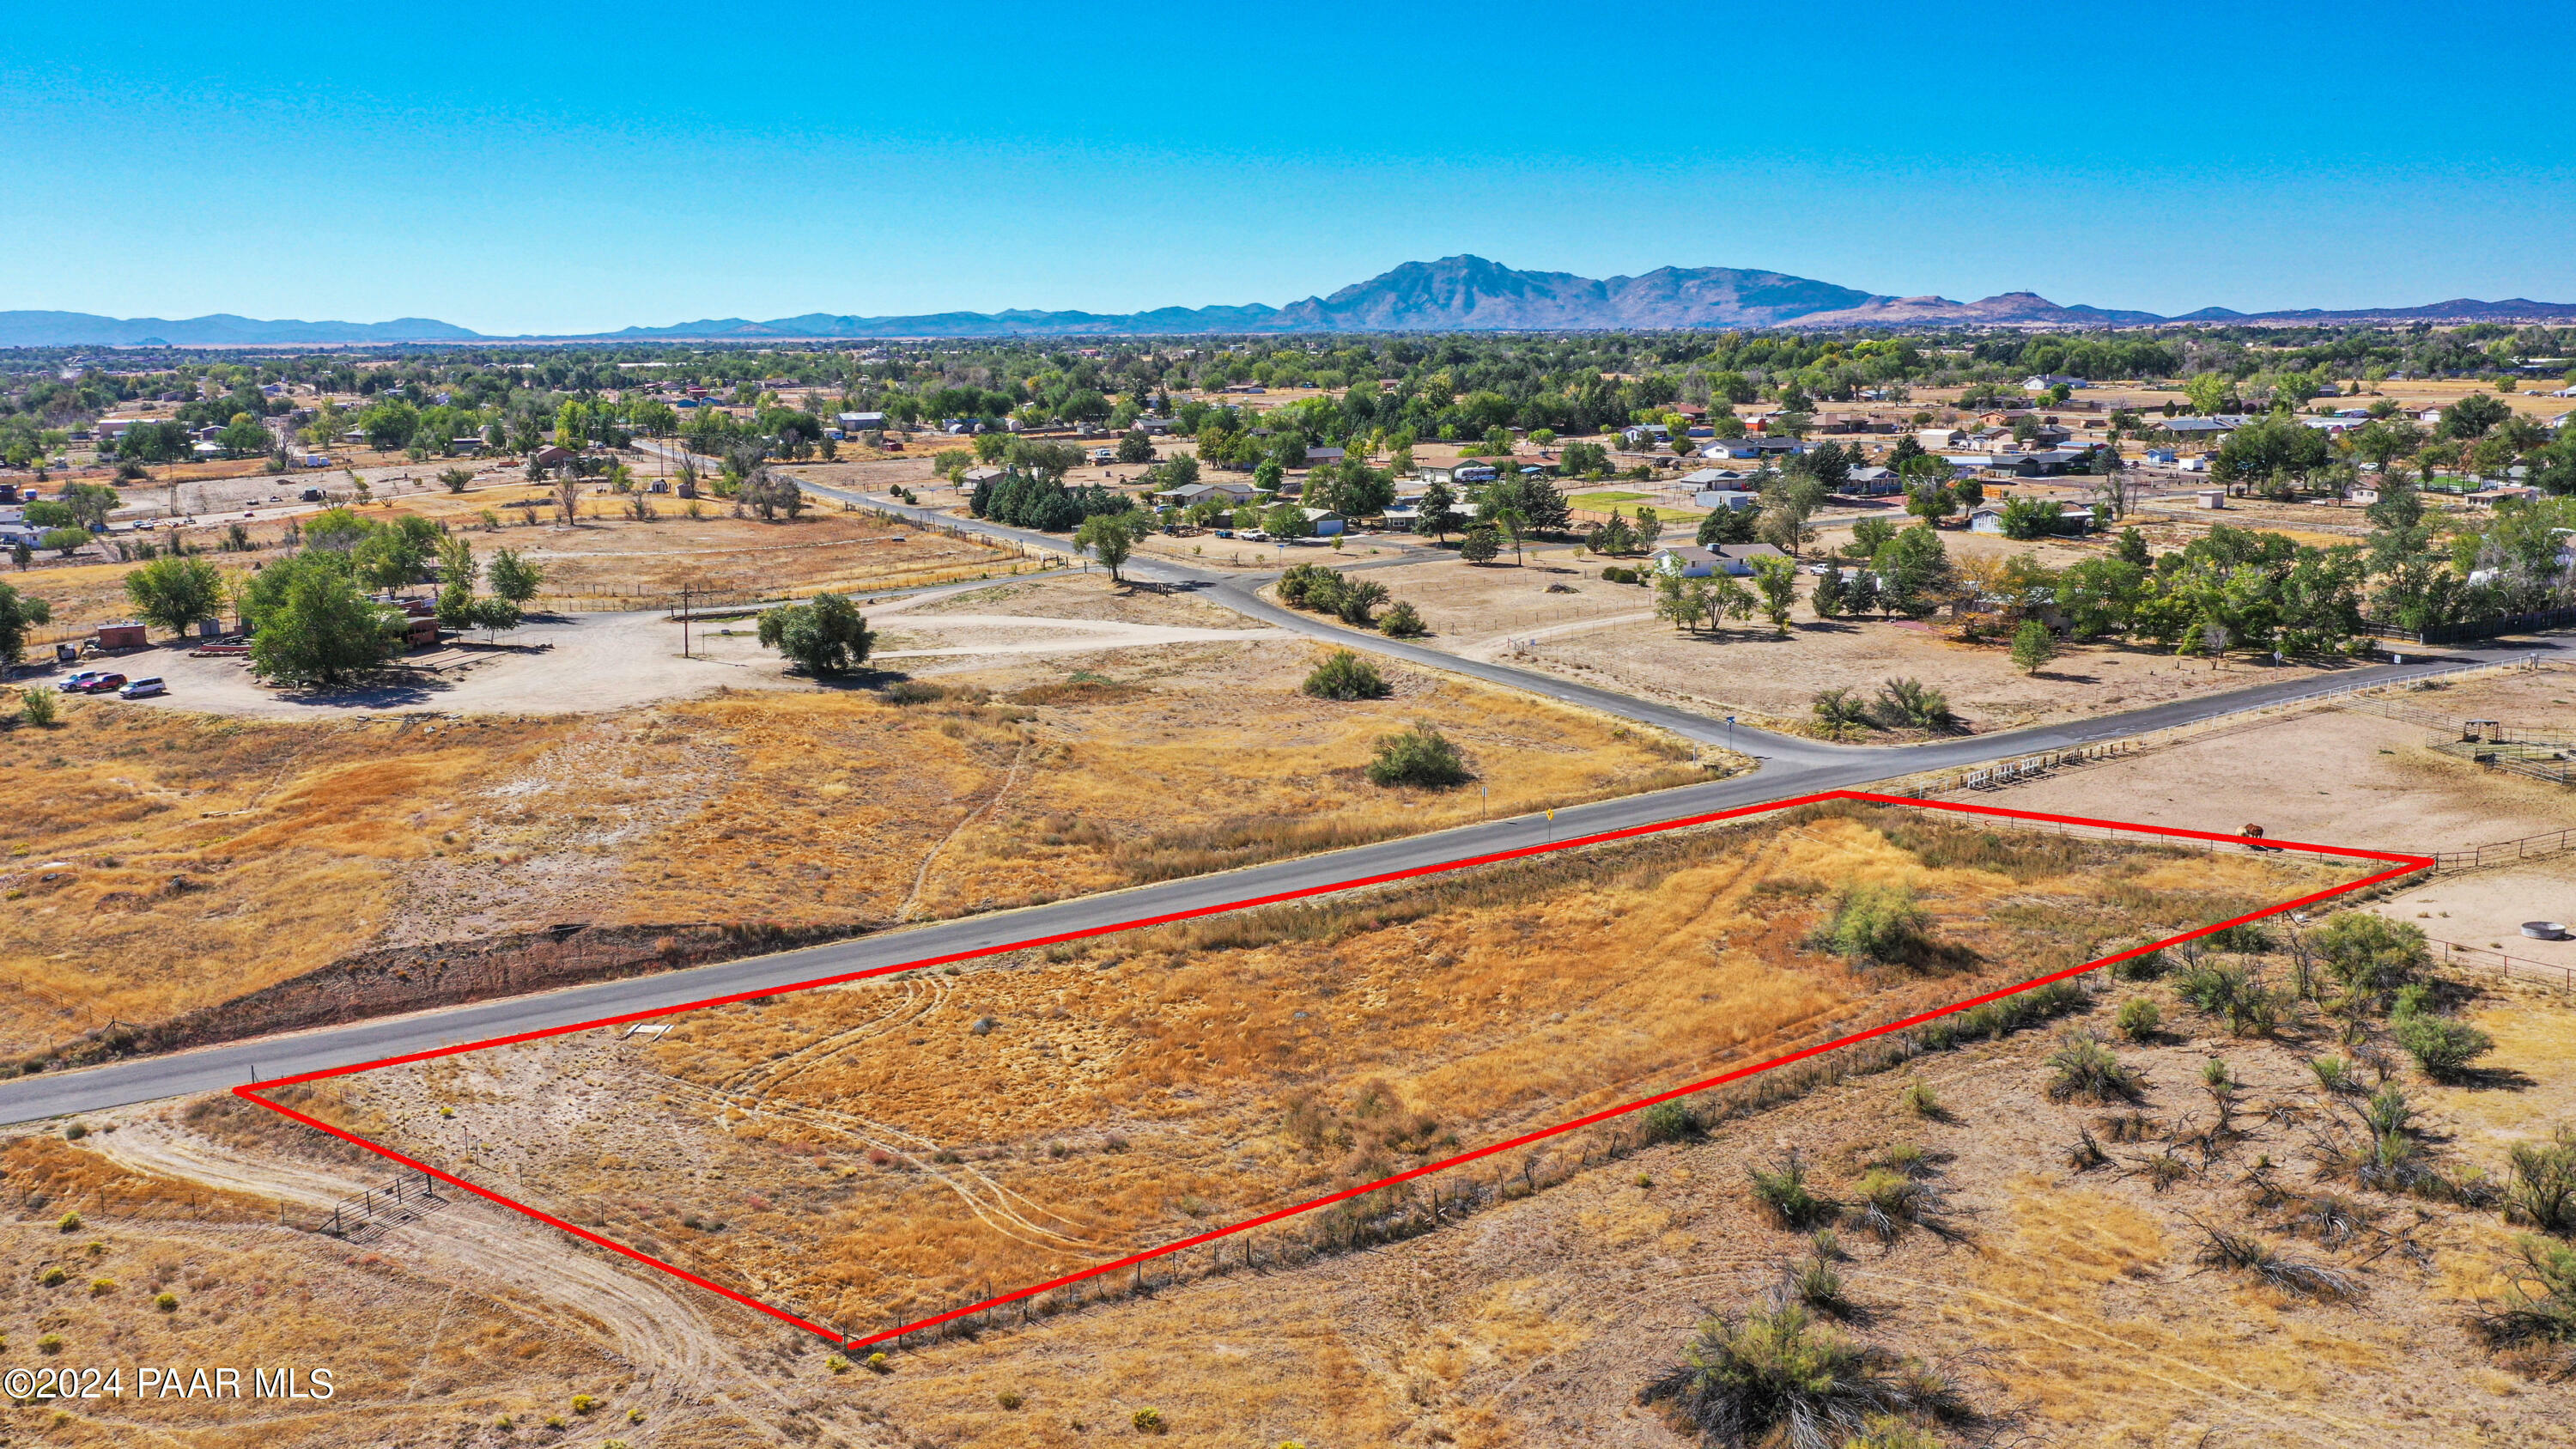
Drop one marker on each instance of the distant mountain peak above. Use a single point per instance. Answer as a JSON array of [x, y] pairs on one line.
[[1461, 293]]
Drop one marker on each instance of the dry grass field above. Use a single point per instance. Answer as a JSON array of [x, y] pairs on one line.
[[161, 861], [874, 1152]]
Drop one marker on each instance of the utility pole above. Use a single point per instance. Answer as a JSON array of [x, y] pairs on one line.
[[684, 621]]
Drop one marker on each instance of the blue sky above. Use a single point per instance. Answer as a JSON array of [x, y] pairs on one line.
[[533, 168]]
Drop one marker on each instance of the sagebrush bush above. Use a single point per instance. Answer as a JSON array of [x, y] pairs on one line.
[[1775, 1376], [1879, 925], [2140, 1019], [1403, 621], [1345, 675], [2086, 1068], [1783, 1194], [1420, 756]]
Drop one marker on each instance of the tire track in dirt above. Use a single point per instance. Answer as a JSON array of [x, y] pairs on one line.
[[922, 876], [676, 1349], [763, 1078]]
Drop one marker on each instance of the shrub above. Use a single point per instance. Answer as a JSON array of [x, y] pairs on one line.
[[40, 708], [1667, 1122], [1345, 675], [878, 1363], [76, 1132], [1813, 1282], [1783, 1194], [837, 1364], [2335, 1074], [2369, 954], [2146, 966], [54, 1277], [167, 1302], [1776, 1377], [1839, 713], [2543, 1194], [1009, 1399], [2086, 1068], [1420, 756], [1922, 1101], [1403, 622], [2441, 1046], [1149, 1421], [50, 1343], [584, 1403], [2245, 1252], [69, 1223], [2140, 1019], [1904, 703], [101, 1287], [2540, 1299], [1876, 924], [1891, 1201]]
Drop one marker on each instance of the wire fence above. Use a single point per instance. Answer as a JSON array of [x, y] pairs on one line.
[[2518, 968]]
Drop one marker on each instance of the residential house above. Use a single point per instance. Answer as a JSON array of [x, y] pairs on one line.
[[552, 455], [1322, 522], [1940, 440], [1230, 494], [2042, 382], [1692, 561], [1873, 482], [2209, 428], [1465, 470], [1315, 456], [1734, 500]]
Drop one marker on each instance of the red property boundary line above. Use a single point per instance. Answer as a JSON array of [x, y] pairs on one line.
[[2398, 865]]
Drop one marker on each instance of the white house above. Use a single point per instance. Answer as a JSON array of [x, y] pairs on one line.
[[1940, 440], [2042, 382], [1691, 561], [1734, 500]]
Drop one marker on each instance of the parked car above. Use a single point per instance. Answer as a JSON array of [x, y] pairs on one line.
[[78, 680], [143, 689], [102, 683]]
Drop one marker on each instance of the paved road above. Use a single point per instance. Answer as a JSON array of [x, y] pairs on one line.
[[1789, 766]]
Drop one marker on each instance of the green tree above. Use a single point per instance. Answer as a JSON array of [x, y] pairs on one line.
[[1437, 500], [2033, 645], [18, 613], [2472, 415], [175, 593], [1285, 520], [2208, 391], [1135, 447], [63, 540], [1480, 545], [244, 437], [1105, 536], [311, 624], [1912, 568], [828, 636], [1828, 598], [514, 578], [1776, 580], [90, 504]]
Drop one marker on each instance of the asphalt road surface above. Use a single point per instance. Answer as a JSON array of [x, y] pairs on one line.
[[1788, 766]]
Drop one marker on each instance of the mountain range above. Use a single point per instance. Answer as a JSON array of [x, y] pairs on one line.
[[1453, 294]]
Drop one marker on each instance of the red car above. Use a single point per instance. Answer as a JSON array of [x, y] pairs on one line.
[[102, 684]]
